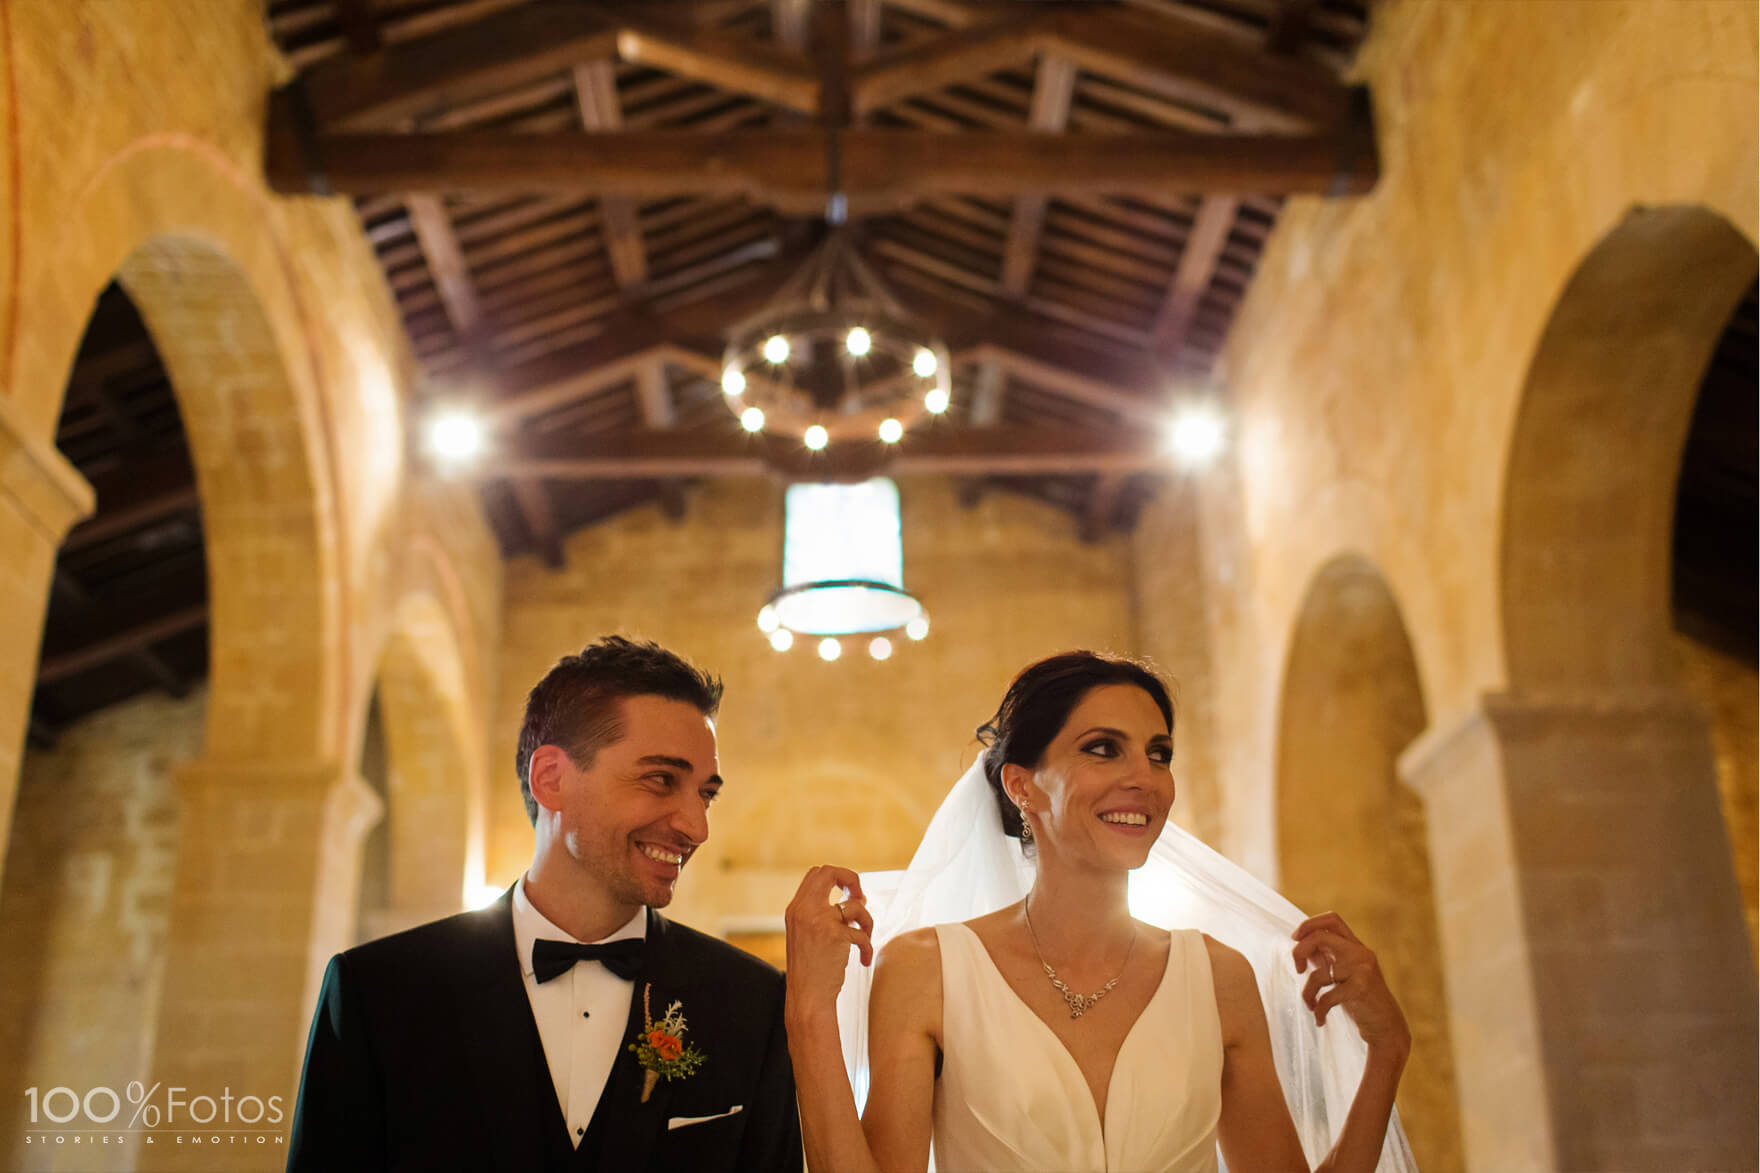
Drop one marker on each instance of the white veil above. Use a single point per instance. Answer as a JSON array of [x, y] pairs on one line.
[[965, 867]]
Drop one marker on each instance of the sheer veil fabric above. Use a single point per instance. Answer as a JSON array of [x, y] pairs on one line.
[[965, 867]]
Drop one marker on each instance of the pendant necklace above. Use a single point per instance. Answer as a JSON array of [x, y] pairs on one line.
[[1079, 1004]]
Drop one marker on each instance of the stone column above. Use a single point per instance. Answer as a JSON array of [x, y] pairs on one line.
[[268, 873], [1601, 994], [41, 496]]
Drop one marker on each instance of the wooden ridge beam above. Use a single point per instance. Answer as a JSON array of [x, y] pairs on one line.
[[884, 170], [400, 83], [942, 452]]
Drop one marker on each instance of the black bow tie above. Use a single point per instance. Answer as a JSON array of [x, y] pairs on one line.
[[554, 958]]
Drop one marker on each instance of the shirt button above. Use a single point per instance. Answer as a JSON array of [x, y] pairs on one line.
[[580, 1132], [586, 1014]]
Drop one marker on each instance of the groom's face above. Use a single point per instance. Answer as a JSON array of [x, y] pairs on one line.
[[633, 818]]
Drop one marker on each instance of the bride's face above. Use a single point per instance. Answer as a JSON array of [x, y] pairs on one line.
[[1102, 791]]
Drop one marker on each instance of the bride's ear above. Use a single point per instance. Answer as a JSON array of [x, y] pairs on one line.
[[1014, 782]]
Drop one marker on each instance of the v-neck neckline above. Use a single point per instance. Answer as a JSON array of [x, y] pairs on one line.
[[1063, 1048]]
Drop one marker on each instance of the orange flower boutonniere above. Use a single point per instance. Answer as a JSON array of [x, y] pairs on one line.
[[661, 1049]]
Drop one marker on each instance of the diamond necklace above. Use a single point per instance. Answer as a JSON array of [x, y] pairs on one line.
[[1079, 1004]]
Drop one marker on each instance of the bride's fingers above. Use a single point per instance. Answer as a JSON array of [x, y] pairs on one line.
[[1317, 981], [856, 912], [1322, 946], [1325, 1003], [1329, 921], [862, 941]]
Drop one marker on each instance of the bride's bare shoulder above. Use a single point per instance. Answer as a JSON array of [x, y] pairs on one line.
[[911, 954]]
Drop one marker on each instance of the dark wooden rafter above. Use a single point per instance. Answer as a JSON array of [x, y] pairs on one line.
[[1003, 451], [595, 88], [1053, 89], [1196, 269], [135, 496]]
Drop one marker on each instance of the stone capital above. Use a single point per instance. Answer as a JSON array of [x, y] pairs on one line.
[[49, 491]]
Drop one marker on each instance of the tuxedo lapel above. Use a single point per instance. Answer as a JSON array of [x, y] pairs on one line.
[[627, 1128], [521, 1121]]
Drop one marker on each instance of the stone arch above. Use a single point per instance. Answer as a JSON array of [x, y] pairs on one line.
[[433, 825], [1350, 837], [191, 239], [1588, 504]]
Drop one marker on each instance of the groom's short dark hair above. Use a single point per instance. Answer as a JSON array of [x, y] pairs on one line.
[[576, 707]]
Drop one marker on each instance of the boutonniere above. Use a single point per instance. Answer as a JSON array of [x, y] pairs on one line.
[[661, 1049]]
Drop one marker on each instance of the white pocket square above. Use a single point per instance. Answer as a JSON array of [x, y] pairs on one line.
[[687, 1121]]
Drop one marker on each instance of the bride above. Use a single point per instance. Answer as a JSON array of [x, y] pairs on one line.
[[1060, 1032]]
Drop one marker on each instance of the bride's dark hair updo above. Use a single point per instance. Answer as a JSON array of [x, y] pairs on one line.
[[1039, 702]]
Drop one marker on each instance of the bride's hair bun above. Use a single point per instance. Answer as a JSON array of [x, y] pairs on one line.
[[1039, 702]]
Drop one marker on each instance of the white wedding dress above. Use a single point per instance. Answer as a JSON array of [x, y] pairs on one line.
[[1011, 1096], [966, 867]]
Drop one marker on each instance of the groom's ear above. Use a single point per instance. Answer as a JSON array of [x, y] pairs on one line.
[[548, 767]]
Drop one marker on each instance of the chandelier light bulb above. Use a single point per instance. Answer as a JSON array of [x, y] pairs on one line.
[[935, 401], [917, 628], [924, 364], [776, 349], [858, 342], [455, 436], [829, 649], [816, 438], [782, 639], [752, 419], [1196, 434], [891, 431], [767, 620], [880, 648], [733, 381]]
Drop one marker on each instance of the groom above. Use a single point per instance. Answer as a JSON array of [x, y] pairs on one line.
[[501, 1039]]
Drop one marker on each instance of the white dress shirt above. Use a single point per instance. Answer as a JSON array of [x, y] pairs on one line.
[[581, 1015]]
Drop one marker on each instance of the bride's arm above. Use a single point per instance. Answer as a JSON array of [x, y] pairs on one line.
[[1255, 1131], [904, 1017]]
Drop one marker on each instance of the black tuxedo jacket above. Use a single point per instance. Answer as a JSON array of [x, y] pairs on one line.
[[424, 1056]]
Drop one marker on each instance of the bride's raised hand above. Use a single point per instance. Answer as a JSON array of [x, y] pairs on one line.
[[827, 915], [1350, 976]]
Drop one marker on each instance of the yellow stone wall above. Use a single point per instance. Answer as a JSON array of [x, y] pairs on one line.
[[1376, 368], [825, 762], [84, 912]]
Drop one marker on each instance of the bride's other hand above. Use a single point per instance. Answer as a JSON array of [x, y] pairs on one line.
[[820, 929], [1350, 976]]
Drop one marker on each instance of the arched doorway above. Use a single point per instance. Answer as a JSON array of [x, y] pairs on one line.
[[1716, 578], [1350, 836], [420, 751], [1629, 935], [118, 705]]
